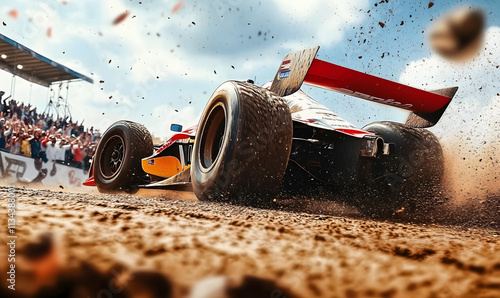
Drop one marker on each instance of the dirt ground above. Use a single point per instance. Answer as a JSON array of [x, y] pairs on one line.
[[167, 244]]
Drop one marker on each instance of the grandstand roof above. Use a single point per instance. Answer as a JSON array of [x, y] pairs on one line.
[[29, 65]]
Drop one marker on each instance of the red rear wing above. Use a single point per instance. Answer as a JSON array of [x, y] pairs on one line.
[[302, 67]]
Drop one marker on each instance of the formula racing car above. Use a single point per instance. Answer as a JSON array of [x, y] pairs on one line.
[[253, 143]]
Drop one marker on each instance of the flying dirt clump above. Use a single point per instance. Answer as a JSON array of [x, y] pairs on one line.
[[458, 35]]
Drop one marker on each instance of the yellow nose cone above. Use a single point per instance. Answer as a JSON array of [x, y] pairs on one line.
[[166, 166]]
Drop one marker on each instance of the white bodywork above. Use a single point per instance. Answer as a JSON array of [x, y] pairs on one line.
[[306, 110]]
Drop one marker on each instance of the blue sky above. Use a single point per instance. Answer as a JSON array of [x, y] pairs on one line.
[[160, 66]]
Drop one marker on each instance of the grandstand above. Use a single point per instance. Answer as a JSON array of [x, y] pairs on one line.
[[28, 133]]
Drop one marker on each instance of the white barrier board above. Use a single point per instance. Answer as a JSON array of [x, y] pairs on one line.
[[18, 168]]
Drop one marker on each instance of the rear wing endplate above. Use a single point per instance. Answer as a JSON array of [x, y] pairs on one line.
[[427, 107], [293, 71]]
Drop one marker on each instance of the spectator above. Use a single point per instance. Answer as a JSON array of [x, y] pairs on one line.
[[77, 154], [43, 145], [61, 152], [3, 141], [75, 131], [68, 154], [89, 153], [25, 145], [36, 146], [15, 143], [7, 134], [51, 150]]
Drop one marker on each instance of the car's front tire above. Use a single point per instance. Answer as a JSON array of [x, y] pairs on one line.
[[117, 161]]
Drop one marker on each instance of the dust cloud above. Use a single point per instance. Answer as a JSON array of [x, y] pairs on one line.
[[469, 130]]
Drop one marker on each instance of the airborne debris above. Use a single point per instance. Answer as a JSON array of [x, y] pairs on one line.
[[121, 18], [178, 6], [381, 24], [431, 4], [14, 13], [457, 36], [401, 212]]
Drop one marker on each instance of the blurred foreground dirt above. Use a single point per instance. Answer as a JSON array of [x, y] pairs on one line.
[[94, 245]]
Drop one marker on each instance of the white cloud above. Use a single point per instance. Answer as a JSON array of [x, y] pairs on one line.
[[321, 19], [470, 128], [164, 115], [160, 59]]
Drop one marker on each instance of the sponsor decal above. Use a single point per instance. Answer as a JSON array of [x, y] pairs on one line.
[[284, 74], [73, 179], [375, 99], [151, 162], [285, 65], [284, 71]]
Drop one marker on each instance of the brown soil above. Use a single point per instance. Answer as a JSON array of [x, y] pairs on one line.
[[94, 245]]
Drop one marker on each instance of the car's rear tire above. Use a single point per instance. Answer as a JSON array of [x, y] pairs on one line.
[[117, 161], [409, 177], [242, 145]]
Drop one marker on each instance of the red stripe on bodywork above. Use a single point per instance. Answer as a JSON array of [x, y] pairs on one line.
[[172, 140], [347, 81], [191, 131], [354, 132], [89, 182]]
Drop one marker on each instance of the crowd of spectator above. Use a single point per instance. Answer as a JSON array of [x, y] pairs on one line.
[[24, 131]]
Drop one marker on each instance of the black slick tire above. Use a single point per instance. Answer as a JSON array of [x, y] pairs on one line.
[[117, 161], [242, 145], [410, 177]]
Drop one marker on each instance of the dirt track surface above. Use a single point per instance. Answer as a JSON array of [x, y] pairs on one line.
[[129, 244]]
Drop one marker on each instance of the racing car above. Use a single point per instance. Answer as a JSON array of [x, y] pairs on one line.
[[254, 143]]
